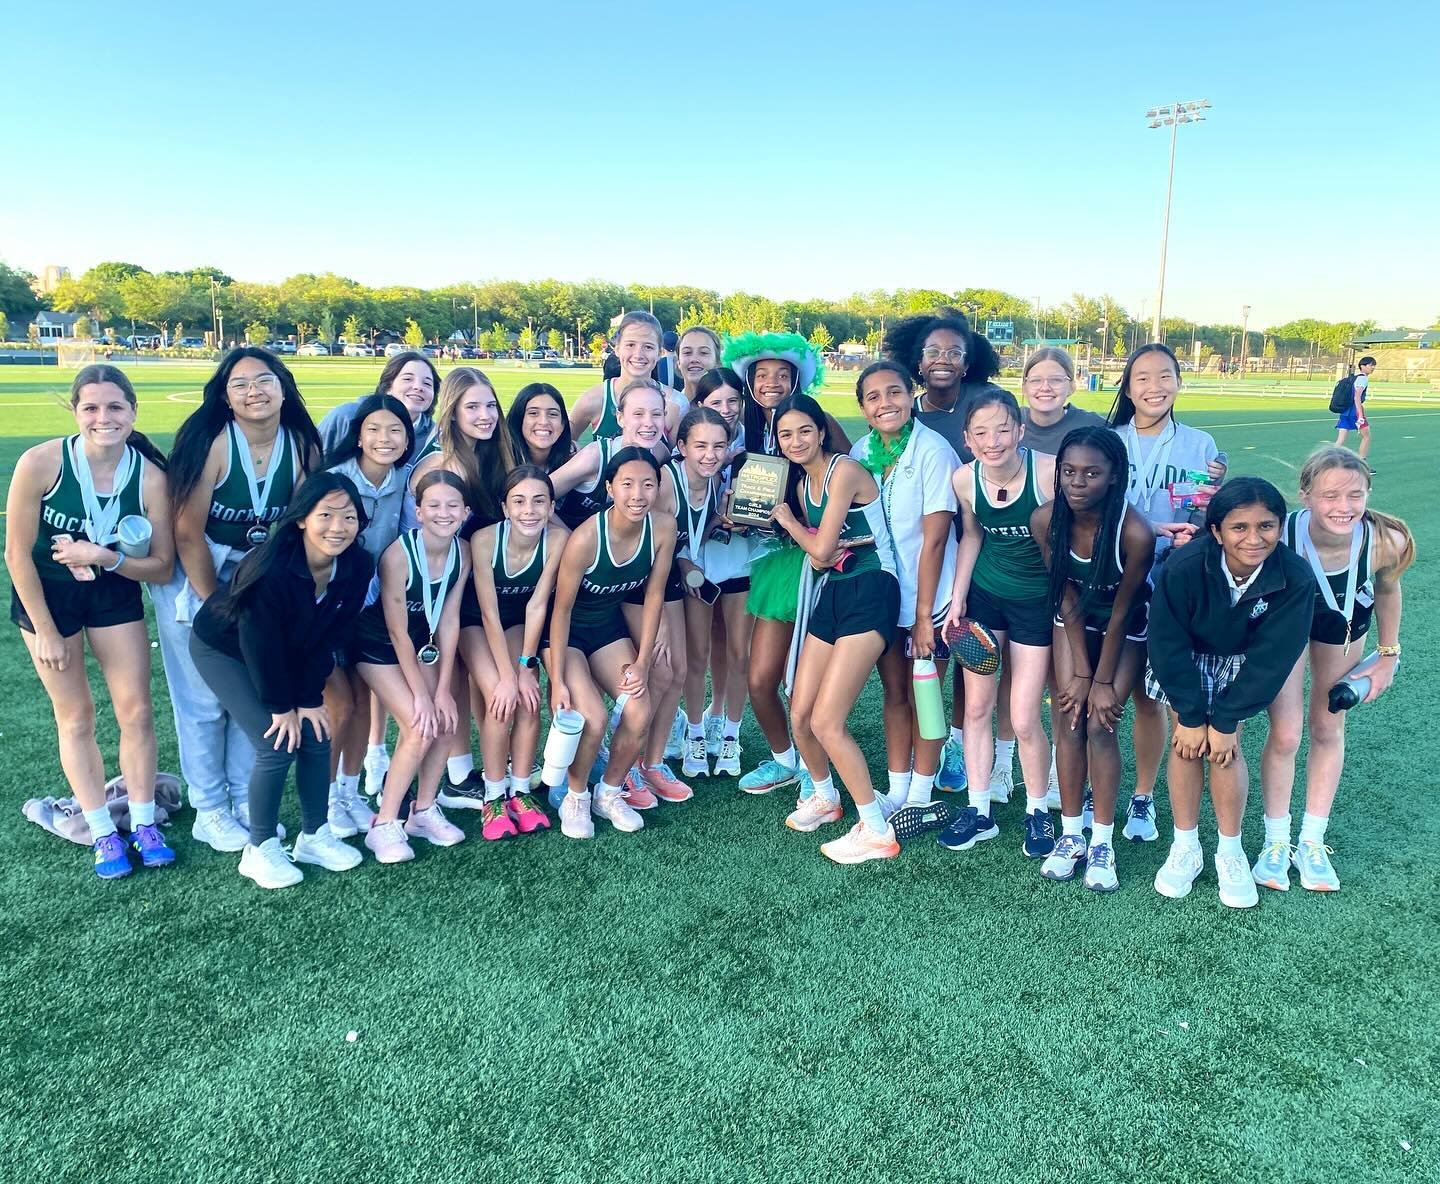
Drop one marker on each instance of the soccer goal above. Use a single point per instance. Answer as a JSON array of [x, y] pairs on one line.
[[74, 354]]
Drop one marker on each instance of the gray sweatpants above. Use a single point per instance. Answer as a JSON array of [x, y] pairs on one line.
[[230, 681]]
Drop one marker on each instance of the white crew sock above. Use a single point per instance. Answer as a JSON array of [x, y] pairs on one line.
[[1004, 754], [602, 788], [376, 752], [921, 785], [1187, 840], [495, 790], [1277, 830], [348, 783], [871, 816], [457, 768], [519, 784], [957, 736], [1230, 845], [1103, 833], [899, 787], [1036, 806], [787, 758], [695, 731], [732, 730], [979, 798], [1312, 827], [142, 813], [100, 823], [825, 789], [1072, 826]]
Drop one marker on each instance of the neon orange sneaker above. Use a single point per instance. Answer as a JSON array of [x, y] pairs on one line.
[[862, 844]]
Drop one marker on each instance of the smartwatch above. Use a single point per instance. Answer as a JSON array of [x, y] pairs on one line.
[[526, 661]]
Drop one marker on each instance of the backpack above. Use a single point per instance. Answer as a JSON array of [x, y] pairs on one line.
[[1342, 398]]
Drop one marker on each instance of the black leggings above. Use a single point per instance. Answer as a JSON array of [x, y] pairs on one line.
[[230, 681]]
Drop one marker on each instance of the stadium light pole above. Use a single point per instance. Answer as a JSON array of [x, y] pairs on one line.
[[1172, 116]]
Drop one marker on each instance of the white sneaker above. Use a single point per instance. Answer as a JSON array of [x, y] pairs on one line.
[[1272, 868], [575, 820], [241, 811], [337, 815], [1237, 885], [269, 866], [814, 812], [696, 762], [325, 850], [389, 842], [1140, 819], [1100, 875], [375, 769], [1177, 874], [1002, 784], [612, 806], [358, 811], [1317, 873], [675, 744], [219, 830], [1052, 793], [728, 762], [433, 826]]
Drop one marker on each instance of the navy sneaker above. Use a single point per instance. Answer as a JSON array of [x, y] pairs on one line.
[[151, 846], [970, 827], [111, 861], [1039, 839]]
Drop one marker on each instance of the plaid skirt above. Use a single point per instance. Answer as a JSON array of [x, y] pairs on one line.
[[1217, 671]]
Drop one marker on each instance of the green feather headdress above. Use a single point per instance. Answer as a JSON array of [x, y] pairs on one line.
[[744, 351]]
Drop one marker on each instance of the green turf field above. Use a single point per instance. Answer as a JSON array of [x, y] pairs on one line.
[[712, 1000]]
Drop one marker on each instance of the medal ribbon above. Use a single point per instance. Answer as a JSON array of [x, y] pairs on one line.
[[100, 521], [1352, 582], [259, 492], [422, 566]]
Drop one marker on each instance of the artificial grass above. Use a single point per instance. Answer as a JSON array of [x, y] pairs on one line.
[[710, 999]]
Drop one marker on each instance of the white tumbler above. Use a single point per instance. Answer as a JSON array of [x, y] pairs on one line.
[[560, 746]]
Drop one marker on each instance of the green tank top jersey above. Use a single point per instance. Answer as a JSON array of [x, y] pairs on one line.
[[431, 447], [608, 580], [684, 511], [513, 592], [439, 589], [231, 514], [857, 525], [1107, 581], [609, 426], [578, 505], [62, 509], [1010, 566]]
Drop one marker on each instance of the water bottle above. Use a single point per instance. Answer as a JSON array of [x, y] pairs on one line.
[[1353, 688], [929, 710]]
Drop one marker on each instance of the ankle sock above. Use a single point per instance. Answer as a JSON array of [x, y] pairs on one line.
[[348, 783], [1230, 845], [376, 752], [142, 813], [732, 730], [519, 785], [1187, 840], [957, 736], [695, 731], [457, 768], [786, 758], [1103, 832], [100, 823], [1036, 806], [899, 787], [1277, 830], [603, 788], [825, 789], [979, 798], [495, 789], [1312, 828], [871, 816], [921, 787]]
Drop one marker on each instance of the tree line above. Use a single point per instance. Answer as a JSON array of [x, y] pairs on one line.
[[118, 295]]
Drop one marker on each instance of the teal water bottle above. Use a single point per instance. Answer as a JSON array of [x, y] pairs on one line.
[[929, 708]]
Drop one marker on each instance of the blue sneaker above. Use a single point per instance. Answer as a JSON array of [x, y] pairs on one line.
[[1039, 841], [952, 777], [970, 827], [597, 770], [772, 775], [111, 861], [154, 851], [805, 783], [555, 795]]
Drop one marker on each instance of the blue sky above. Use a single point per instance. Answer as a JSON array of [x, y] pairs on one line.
[[790, 150]]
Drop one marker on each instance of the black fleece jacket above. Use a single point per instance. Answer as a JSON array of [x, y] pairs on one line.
[[1191, 613]]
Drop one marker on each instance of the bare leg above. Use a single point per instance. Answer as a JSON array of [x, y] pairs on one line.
[[898, 714], [699, 623], [1150, 737], [394, 693], [607, 666], [123, 652], [843, 677], [738, 627], [1229, 788], [1029, 667], [1282, 745], [1187, 780], [769, 650], [69, 692]]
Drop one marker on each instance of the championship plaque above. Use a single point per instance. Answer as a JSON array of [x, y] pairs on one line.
[[757, 489]]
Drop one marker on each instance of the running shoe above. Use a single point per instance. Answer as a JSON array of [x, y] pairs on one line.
[[861, 844], [1065, 860], [1140, 819], [555, 794], [536, 772], [1100, 873], [1039, 840], [638, 795], [111, 860], [910, 822], [769, 775], [697, 760], [664, 784], [1272, 868], [675, 742], [600, 764], [1087, 811], [526, 814], [952, 777], [727, 764], [968, 828], [376, 766], [432, 826], [468, 795], [575, 821], [269, 865], [151, 846], [1178, 873], [611, 805], [714, 733], [1317, 873], [389, 842], [1002, 784], [219, 831], [812, 813], [1237, 885], [325, 850], [496, 822], [241, 810]]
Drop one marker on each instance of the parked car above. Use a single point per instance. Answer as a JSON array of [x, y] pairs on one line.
[[430, 351], [191, 343], [282, 347], [395, 349], [358, 349], [469, 351], [314, 349]]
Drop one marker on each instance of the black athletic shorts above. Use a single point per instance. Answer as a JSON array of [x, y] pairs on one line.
[[371, 642], [590, 637], [734, 585], [1137, 625], [1028, 622], [862, 603], [1328, 625], [75, 604], [470, 606]]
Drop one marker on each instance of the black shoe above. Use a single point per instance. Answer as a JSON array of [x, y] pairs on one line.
[[468, 795], [912, 821]]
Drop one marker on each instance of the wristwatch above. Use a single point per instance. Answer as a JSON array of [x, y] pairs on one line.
[[1388, 651], [526, 661]]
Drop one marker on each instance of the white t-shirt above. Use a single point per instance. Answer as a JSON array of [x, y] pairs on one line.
[[920, 483], [1157, 462]]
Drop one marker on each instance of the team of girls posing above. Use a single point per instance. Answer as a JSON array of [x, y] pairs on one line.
[[423, 568]]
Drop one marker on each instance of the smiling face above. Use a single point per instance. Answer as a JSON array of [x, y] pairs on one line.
[[633, 489], [704, 449], [441, 509], [942, 360], [771, 379], [642, 417], [1086, 476], [1248, 535], [103, 414], [1336, 500], [1153, 387], [799, 437], [527, 506], [885, 402], [253, 391], [727, 401], [478, 414], [382, 438], [694, 355], [541, 424], [331, 526], [638, 350], [993, 435], [1047, 387], [415, 387]]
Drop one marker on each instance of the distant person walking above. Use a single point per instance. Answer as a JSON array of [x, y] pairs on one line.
[[1352, 413]]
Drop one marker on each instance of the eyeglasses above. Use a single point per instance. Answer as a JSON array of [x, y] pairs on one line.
[[933, 353], [265, 384], [1036, 383]]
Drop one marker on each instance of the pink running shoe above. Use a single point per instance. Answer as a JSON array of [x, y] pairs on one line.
[[526, 815], [495, 821], [636, 791], [664, 784], [812, 813], [433, 826], [861, 844], [388, 842]]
